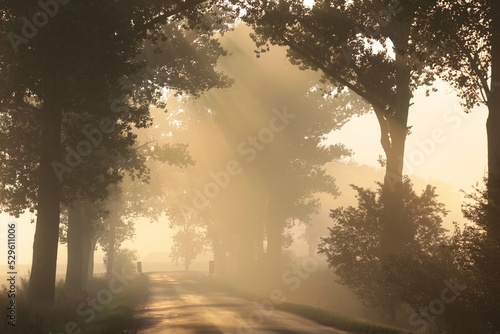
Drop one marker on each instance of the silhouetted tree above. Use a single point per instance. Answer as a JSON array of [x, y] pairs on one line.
[[363, 46], [477, 253], [125, 261], [78, 231], [353, 249], [83, 64], [464, 49], [276, 136], [188, 241]]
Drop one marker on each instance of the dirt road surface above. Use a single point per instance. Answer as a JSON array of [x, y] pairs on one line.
[[177, 304]]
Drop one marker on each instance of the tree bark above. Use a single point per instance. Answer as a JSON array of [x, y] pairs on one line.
[[493, 180], [393, 232], [46, 241], [311, 248], [220, 259], [259, 243], [274, 240], [87, 255], [110, 254], [493, 122], [93, 243], [396, 232], [274, 243], [275, 227], [74, 270], [246, 256]]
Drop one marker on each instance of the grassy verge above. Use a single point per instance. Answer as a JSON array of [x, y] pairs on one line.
[[321, 316], [118, 315], [104, 309], [331, 319]]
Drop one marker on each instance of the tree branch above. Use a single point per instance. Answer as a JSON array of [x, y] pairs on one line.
[[162, 18], [373, 100]]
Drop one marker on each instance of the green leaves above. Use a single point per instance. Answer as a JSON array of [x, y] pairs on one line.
[[93, 53], [353, 243]]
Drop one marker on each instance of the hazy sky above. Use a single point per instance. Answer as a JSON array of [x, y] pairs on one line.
[[445, 144]]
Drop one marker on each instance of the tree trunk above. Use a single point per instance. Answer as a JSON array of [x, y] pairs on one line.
[[393, 227], [87, 249], [110, 255], [46, 241], [396, 232], [246, 258], [110, 263], [111, 239], [93, 243], [493, 122], [259, 244], [220, 259], [275, 227], [311, 248], [74, 270], [493, 181]]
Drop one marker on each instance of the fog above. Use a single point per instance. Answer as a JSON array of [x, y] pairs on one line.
[[267, 178], [226, 194]]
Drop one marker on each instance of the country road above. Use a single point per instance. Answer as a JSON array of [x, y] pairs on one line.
[[178, 304]]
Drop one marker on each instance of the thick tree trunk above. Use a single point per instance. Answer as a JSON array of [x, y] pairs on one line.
[[220, 259], [396, 232], [245, 259], [74, 270], [111, 239], [394, 227], [493, 181], [493, 122], [86, 257], [275, 241], [93, 243], [43, 269], [311, 248], [110, 257], [113, 222]]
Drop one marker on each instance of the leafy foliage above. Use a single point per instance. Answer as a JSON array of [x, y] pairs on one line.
[[477, 253], [352, 246], [457, 46], [188, 243], [125, 260], [149, 56]]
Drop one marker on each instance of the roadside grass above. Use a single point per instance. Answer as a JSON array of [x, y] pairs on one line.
[[118, 315], [330, 319], [321, 316], [62, 316]]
